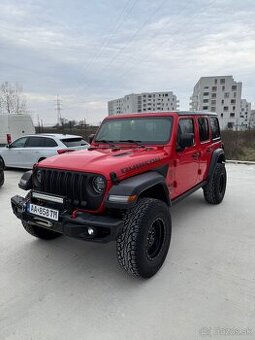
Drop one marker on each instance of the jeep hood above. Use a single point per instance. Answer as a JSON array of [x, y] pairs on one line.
[[124, 162]]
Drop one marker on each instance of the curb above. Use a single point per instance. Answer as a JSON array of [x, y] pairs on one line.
[[233, 161]]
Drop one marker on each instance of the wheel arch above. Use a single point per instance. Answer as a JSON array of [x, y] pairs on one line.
[[150, 184], [218, 156]]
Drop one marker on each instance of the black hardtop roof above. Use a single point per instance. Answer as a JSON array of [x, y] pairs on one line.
[[196, 113]]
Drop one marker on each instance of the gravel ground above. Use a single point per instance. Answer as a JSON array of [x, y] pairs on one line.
[[69, 289]]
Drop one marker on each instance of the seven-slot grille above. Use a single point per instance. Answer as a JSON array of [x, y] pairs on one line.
[[73, 185]]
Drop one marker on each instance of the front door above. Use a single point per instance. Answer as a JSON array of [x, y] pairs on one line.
[[187, 160]]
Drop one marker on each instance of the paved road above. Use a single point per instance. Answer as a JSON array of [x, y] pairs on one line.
[[66, 289]]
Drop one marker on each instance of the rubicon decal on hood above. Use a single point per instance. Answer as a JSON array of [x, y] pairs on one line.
[[140, 165]]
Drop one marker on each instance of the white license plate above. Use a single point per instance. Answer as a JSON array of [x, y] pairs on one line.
[[38, 210]]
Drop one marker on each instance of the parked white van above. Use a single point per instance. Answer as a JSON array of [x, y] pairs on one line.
[[13, 126]]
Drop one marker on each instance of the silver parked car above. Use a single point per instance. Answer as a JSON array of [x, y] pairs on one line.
[[24, 152]]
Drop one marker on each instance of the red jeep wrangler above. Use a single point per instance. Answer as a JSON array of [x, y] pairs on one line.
[[122, 187]]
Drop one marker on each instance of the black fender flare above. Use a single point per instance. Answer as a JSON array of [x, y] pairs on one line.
[[218, 156], [137, 185]]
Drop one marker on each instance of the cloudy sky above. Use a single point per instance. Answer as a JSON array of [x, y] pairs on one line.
[[90, 52]]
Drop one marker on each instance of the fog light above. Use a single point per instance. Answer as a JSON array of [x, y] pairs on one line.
[[91, 231]]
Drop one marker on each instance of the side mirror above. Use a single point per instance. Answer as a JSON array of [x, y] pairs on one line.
[[25, 182], [91, 137], [186, 140], [8, 146]]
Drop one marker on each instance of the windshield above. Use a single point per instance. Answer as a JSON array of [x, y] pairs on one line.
[[145, 130]]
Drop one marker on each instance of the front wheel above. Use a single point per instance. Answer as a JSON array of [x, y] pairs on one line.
[[144, 241], [214, 190]]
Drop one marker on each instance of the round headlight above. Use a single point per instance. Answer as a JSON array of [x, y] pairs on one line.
[[38, 177], [98, 184]]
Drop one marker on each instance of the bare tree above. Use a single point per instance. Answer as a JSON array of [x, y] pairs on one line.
[[12, 99]]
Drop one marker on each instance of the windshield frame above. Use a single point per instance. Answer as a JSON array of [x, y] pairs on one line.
[[136, 118]]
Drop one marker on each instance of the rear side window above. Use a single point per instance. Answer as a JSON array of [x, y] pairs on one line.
[[49, 143], [215, 127], [40, 142], [203, 129], [71, 142]]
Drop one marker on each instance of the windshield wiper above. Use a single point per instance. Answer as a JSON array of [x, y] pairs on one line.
[[109, 142], [137, 142]]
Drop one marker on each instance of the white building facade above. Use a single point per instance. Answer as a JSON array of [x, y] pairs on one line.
[[222, 95], [143, 102]]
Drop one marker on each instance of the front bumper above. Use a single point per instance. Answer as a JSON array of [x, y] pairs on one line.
[[106, 228]]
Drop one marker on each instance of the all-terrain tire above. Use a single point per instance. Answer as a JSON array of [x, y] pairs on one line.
[[214, 190], [143, 244], [40, 232]]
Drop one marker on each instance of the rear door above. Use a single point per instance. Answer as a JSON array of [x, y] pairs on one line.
[[37, 148], [205, 148], [187, 160]]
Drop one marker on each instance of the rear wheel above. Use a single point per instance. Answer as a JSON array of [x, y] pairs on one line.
[[40, 232], [214, 190], [144, 241]]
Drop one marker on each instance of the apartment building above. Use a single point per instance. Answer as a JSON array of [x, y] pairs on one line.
[[143, 102], [245, 115], [222, 95]]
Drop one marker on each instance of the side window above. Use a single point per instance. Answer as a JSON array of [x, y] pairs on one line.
[[35, 142], [203, 129], [19, 143], [49, 143], [215, 127], [186, 125]]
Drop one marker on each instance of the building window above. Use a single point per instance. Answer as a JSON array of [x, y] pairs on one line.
[[215, 81], [213, 102], [230, 125], [213, 95], [222, 81], [234, 87], [233, 101], [234, 94], [205, 107], [232, 114], [226, 95], [225, 108], [206, 94], [222, 101], [206, 101], [223, 88], [234, 108], [221, 115], [213, 109], [206, 87], [214, 88]]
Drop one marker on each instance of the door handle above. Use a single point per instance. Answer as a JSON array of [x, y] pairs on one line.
[[209, 150], [196, 155]]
